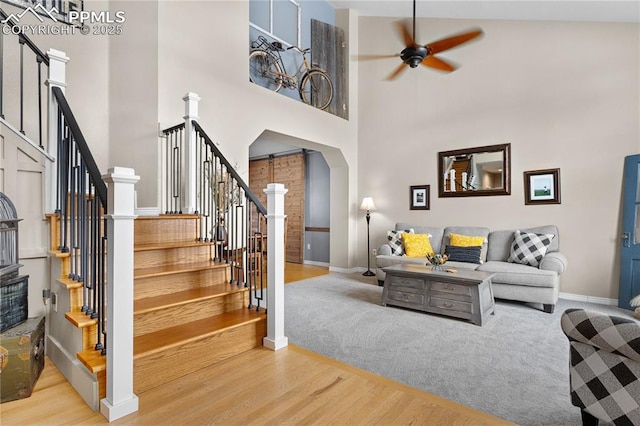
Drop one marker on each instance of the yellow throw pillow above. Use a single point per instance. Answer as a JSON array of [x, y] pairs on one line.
[[465, 240], [416, 245]]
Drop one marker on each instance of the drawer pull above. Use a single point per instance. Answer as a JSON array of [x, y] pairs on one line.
[[447, 305], [449, 287]]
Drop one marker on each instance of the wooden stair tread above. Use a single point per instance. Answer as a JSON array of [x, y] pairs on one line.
[[148, 344], [58, 254], [68, 283], [93, 360], [173, 244], [179, 298], [80, 319], [177, 268]]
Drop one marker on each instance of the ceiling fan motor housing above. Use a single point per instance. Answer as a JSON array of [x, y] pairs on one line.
[[413, 56]]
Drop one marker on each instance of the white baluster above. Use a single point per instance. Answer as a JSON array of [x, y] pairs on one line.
[[452, 179]]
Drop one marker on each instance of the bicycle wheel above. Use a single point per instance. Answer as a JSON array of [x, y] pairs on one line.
[[263, 71], [316, 89]]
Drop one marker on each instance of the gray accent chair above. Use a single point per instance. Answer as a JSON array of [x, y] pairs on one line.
[[604, 370], [512, 281]]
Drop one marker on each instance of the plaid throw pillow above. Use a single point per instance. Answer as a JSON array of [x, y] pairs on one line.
[[529, 248], [395, 241]]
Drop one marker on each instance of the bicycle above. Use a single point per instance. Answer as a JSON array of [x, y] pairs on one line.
[[267, 69]]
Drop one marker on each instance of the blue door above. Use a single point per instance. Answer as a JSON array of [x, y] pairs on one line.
[[630, 258]]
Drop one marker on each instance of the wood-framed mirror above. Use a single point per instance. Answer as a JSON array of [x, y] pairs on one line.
[[479, 171]]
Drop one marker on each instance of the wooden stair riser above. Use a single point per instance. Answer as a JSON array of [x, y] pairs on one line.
[[149, 322], [88, 326], [161, 367], [173, 256], [166, 284], [75, 290], [166, 229]]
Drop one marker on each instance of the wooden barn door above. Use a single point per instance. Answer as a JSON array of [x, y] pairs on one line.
[[288, 170], [328, 52]]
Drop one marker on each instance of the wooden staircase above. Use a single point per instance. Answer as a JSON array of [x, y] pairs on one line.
[[186, 313]]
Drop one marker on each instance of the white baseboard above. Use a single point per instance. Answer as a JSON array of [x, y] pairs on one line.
[[589, 299], [314, 263], [147, 211], [82, 381]]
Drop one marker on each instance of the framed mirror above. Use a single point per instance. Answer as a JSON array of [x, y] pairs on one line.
[[469, 172]]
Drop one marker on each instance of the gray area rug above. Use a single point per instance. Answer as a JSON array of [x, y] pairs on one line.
[[515, 367]]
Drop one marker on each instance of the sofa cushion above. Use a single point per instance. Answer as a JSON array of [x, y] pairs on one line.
[[464, 254], [517, 274], [529, 248], [466, 230], [384, 261], [395, 241], [416, 245], [452, 264], [500, 245], [436, 233]]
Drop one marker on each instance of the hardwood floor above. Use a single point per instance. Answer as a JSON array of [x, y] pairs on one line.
[[289, 386], [296, 272]]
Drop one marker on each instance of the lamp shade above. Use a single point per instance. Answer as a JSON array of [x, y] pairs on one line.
[[367, 204]]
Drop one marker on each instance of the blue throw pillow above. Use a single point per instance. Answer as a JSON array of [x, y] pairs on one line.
[[464, 254]]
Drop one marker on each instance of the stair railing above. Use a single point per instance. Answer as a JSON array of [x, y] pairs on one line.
[[231, 215], [81, 202], [35, 56]]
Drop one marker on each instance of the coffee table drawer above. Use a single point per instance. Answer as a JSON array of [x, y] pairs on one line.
[[415, 284], [451, 288], [450, 305], [411, 298]]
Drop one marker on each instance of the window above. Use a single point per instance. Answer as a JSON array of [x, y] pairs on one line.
[[279, 19]]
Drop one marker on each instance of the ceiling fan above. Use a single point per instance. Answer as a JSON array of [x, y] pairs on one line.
[[414, 54]]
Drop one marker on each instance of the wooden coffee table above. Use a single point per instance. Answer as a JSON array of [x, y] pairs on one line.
[[462, 294]]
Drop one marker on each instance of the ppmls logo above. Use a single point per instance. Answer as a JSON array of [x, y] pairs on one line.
[[35, 11]]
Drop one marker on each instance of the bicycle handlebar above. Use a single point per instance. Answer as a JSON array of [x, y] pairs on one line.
[[296, 48]]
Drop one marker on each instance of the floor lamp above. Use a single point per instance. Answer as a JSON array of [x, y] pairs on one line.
[[367, 204]]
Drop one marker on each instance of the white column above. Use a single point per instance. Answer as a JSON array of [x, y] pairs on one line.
[[120, 399], [464, 181], [56, 78], [189, 202], [275, 267]]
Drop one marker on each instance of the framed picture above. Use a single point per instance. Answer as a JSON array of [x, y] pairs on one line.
[[542, 187], [420, 197]]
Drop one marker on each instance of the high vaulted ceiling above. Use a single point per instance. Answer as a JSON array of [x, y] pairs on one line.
[[572, 10]]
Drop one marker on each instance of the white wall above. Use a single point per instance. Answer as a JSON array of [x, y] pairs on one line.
[[563, 94], [133, 95]]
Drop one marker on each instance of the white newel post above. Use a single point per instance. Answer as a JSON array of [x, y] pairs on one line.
[[464, 181], [190, 113], [120, 399], [275, 267], [56, 78]]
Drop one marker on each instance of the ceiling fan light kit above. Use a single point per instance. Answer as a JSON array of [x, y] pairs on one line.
[[414, 54]]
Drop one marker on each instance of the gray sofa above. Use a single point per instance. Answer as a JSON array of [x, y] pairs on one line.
[[512, 281]]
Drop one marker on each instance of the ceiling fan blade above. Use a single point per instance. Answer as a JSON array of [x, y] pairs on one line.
[[397, 71], [405, 33], [453, 41], [437, 63], [373, 57]]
